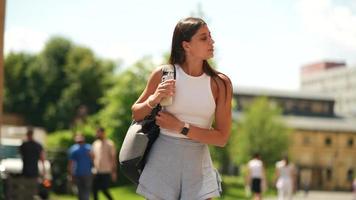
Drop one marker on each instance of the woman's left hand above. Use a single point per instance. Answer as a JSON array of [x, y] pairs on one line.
[[168, 121]]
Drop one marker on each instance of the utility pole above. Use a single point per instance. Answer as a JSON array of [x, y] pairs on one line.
[[2, 28]]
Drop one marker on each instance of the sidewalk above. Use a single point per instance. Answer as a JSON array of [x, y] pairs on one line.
[[320, 195]]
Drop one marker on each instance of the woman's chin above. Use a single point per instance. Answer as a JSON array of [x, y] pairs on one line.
[[211, 55]]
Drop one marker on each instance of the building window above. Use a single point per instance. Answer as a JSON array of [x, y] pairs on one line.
[[319, 108], [350, 175], [329, 109], [350, 142], [306, 140], [329, 174], [289, 106], [302, 105], [328, 141]]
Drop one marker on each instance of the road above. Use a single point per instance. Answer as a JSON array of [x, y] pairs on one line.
[[320, 195]]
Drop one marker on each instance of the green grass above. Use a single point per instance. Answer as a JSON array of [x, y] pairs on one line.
[[119, 193], [233, 188]]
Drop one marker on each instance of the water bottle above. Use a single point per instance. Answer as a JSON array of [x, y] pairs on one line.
[[167, 75]]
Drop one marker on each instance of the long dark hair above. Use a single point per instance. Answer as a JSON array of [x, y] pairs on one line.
[[184, 31], [286, 160]]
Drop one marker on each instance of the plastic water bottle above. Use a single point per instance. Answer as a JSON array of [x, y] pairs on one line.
[[167, 75]]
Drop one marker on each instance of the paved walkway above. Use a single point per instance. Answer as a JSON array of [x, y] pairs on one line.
[[321, 195]]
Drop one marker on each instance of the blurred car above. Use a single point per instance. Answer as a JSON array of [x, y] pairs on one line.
[[11, 167]]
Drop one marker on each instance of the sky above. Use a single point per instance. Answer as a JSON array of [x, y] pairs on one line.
[[258, 43]]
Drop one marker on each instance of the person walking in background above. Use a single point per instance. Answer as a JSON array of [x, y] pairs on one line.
[[105, 164], [354, 187], [31, 152], [256, 176], [285, 179], [179, 165], [79, 166], [305, 176]]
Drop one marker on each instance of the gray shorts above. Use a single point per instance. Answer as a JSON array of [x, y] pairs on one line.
[[179, 169]]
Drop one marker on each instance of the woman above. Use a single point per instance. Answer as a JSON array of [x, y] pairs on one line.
[[179, 165], [285, 179]]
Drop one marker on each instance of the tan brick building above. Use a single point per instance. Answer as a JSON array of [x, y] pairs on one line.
[[324, 150], [322, 144]]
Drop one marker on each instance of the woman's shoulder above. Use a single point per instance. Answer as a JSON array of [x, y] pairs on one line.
[[224, 77], [156, 73], [222, 80], [279, 164], [160, 68]]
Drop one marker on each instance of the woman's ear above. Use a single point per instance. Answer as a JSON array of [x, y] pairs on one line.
[[185, 45]]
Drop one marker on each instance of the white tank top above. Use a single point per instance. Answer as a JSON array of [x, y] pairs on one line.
[[285, 171], [193, 101], [256, 168]]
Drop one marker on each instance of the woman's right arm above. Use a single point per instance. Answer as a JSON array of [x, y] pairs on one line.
[[152, 95]]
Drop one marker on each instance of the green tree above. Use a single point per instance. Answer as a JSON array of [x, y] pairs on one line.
[[19, 87], [129, 84], [86, 79], [261, 130], [52, 61], [60, 85]]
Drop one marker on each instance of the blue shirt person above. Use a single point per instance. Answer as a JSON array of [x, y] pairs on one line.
[[79, 166]]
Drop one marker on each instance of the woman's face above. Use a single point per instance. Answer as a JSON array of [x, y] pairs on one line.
[[201, 44]]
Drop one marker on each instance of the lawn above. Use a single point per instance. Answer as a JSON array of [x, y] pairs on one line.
[[233, 189], [119, 193]]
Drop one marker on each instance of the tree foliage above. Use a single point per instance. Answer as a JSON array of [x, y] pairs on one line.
[[129, 84], [58, 86], [19, 88], [261, 131]]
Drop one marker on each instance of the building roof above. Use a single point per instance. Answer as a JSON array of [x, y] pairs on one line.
[[321, 66], [321, 124], [282, 93], [315, 123]]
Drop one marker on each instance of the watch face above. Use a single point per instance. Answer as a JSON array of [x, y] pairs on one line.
[[185, 131]]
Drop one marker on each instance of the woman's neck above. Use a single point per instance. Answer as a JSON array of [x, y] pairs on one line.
[[193, 67]]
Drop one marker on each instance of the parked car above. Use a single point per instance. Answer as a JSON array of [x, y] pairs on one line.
[[11, 168]]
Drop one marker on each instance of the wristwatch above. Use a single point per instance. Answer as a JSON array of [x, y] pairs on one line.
[[185, 129]]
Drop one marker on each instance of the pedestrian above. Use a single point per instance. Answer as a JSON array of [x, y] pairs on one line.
[[32, 152], [354, 187], [256, 176], [79, 166], [305, 176], [105, 164], [179, 165], [285, 179]]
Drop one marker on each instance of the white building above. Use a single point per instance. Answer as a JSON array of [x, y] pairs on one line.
[[333, 78]]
